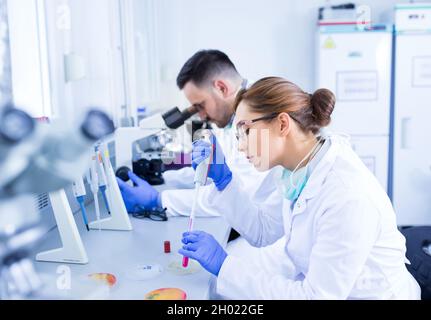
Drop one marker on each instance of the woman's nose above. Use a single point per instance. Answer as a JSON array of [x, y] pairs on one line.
[[242, 145]]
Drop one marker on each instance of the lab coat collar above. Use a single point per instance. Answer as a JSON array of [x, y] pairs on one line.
[[244, 85], [318, 175]]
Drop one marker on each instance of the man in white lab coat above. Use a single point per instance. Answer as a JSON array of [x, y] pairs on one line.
[[210, 82]]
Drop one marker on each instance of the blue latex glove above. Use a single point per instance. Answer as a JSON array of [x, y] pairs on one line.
[[219, 171], [143, 195], [203, 248]]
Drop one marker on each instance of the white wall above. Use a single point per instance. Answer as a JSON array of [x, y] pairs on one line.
[[90, 32], [29, 65], [272, 37]]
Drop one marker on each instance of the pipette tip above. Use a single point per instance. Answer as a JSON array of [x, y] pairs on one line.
[[185, 262]]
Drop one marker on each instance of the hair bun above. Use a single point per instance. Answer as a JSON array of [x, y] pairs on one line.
[[323, 104]]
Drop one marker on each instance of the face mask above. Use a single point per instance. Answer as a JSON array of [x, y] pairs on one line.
[[295, 181]]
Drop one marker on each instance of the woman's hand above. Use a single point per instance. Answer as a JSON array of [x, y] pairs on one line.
[[203, 248]]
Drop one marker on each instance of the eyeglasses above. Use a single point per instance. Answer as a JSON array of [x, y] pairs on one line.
[[242, 127], [155, 215]]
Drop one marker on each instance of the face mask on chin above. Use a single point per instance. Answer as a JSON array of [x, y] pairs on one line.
[[293, 182]]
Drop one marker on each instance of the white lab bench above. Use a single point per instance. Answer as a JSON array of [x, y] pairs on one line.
[[117, 252]]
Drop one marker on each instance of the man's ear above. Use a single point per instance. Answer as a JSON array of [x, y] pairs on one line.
[[222, 88], [284, 122]]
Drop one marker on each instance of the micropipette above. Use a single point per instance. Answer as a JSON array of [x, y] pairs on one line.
[[94, 186], [200, 179], [103, 181], [79, 193]]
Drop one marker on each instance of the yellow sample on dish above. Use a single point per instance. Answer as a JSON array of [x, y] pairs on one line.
[[106, 278], [166, 294], [177, 268]]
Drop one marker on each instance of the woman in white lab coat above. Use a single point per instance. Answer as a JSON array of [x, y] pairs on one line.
[[340, 234]]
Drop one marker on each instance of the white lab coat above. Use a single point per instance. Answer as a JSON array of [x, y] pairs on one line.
[[260, 187], [340, 239]]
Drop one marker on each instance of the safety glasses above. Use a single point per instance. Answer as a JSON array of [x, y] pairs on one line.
[[155, 215], [243, 126]]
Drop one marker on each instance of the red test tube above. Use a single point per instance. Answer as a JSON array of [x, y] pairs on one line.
[[167, 246]]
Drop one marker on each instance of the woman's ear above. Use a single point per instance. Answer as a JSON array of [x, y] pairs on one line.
[[284, 124]]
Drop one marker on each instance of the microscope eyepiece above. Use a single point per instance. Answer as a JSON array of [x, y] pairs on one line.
[[15, 125], [97, 125], [174, 118]]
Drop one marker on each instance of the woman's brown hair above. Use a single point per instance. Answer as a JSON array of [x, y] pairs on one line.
[[275, 95]]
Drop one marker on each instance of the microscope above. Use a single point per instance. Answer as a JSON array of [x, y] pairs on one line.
[[145, 149], [36, 158]]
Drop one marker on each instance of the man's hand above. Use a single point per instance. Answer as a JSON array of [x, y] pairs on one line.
[[143, 195]]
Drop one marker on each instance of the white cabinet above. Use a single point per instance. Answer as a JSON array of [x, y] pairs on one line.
[[356, 66], [412, 137]]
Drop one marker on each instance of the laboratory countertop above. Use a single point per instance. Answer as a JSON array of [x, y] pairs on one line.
[[121, 252]]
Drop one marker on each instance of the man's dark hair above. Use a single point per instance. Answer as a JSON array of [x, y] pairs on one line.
[[203, 65]]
